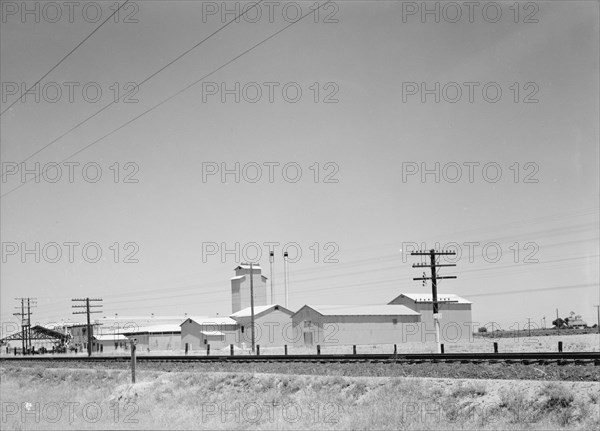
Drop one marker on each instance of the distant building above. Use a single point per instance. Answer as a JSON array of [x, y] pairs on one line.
[[456, 317], [78, 332], [353, 324], [199, 332], [240, 287], [156, 338], [577, 323], [271, 324]]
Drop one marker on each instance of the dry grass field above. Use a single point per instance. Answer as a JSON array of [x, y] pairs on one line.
[[36, 398]]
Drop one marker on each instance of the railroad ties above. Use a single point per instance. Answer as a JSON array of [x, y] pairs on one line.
[[536, 358]]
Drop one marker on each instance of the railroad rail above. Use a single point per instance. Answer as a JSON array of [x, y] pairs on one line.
[[530, 358]]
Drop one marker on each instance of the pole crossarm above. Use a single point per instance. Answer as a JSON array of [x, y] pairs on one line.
[[434, 278]]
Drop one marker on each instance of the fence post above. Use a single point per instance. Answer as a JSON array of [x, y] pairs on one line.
[[395, 349], [133, 343], [258, 350], [285, 347], [207, 349], [354, 349], [187, 346], [495, 347], [231, 349], [318, 349], [560, 346], [442, 348]]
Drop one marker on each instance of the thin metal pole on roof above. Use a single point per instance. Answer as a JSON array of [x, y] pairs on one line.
[[252, 305], [285, 276], [271, 259]]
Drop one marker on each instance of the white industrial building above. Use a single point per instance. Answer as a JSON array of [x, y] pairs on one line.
[[454, 311], [199, 332], [271, 324], [240, 287], [352, 324]]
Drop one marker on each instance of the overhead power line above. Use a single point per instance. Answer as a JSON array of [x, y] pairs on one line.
[[64, 58], [187, 87], [148, 78]]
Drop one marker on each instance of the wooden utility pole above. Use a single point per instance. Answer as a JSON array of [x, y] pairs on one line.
[[87, 311], [22, 315], [434, 278], [598, 322], [252, 305], [25, 322]]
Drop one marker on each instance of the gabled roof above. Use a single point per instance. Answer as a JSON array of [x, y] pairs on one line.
[[207, 321], [259, 310], [362, 310], [247, 266], [427, 297]]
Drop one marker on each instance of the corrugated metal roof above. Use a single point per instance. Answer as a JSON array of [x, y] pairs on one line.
[[168, 327], [246, 312], [238, 277], [111, 337], [205, 321], [363, 310], [427, 297], [212, 333]]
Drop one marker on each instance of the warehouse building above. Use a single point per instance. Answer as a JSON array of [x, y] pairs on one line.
[[455, 315], [352, 324], [198, 332], [271, 323], [156, 338]]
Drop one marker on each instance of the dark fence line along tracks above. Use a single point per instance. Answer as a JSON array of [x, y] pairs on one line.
[[560, 358]]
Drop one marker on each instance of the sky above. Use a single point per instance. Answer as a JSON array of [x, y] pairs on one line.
[[360, 119]]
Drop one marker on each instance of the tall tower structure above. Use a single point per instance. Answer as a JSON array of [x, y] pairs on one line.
[[240, 287]]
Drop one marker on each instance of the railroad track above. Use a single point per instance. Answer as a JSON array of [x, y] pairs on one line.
[[560, 358]]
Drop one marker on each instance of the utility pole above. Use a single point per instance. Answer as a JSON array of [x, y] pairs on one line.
[[598, 310], [25, 322], [30, 304], [87, 311], [22, 315], [557, 322], [252, 305], [529, 326], [434, 278]]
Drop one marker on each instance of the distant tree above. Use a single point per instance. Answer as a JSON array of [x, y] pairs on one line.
[[559, 323], [482, 329]]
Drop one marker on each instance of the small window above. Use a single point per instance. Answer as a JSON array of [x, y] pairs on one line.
[[277, 307], [242, 328], [395, 321], [205, 341], [307, 323]]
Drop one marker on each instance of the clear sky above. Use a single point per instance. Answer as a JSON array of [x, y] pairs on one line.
[[372, 60]]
